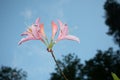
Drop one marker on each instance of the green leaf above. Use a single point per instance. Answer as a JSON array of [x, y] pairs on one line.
[[115, 77]]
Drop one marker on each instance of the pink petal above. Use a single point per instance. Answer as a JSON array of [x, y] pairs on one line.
[[35, 31], [71, 37], [63, 32], [63, 28], [61, 24], [54, 29], [41, 32], [25, 39], [37, 21]]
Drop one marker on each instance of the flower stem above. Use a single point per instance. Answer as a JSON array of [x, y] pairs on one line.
[[58, 65]]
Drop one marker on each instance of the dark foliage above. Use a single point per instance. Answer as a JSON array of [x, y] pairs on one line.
[[71, 67], [7, 73], [112, 9], [101, 66], [96, 68]]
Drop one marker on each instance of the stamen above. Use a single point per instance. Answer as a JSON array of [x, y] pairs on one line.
[[30, 30]]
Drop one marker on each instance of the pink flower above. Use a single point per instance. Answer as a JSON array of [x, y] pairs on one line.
[[63, 34], [35, 32]]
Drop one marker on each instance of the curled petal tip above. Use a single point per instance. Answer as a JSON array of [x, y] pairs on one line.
[[71, 37], [77, 39], [37, 21], [60, 23], [19, 43]]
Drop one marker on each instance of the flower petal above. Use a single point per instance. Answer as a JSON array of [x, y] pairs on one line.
[[63, 31], [37, 21], [35, 31], [71, 37], [25, 39], [54, 29], [41, 32], [61, 24]]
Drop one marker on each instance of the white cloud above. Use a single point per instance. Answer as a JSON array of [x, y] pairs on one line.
[[27, 13], [56, 9]]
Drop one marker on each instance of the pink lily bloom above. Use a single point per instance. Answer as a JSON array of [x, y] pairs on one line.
[[35, 32], [63, 34]]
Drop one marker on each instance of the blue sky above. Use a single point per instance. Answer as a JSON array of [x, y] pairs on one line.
[[85, 19]]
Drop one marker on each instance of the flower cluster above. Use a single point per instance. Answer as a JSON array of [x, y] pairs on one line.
[[36, 32]]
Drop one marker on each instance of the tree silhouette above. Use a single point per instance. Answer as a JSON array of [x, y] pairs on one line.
[[7, 73], [112, 9], [101, 66], [71, 67], [96, 68]]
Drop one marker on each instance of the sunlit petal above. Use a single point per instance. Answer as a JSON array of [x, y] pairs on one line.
[[41, 31], [54, 29]]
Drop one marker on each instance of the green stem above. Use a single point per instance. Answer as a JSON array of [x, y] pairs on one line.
[[47, 41], [58, 66], [51, 44]]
